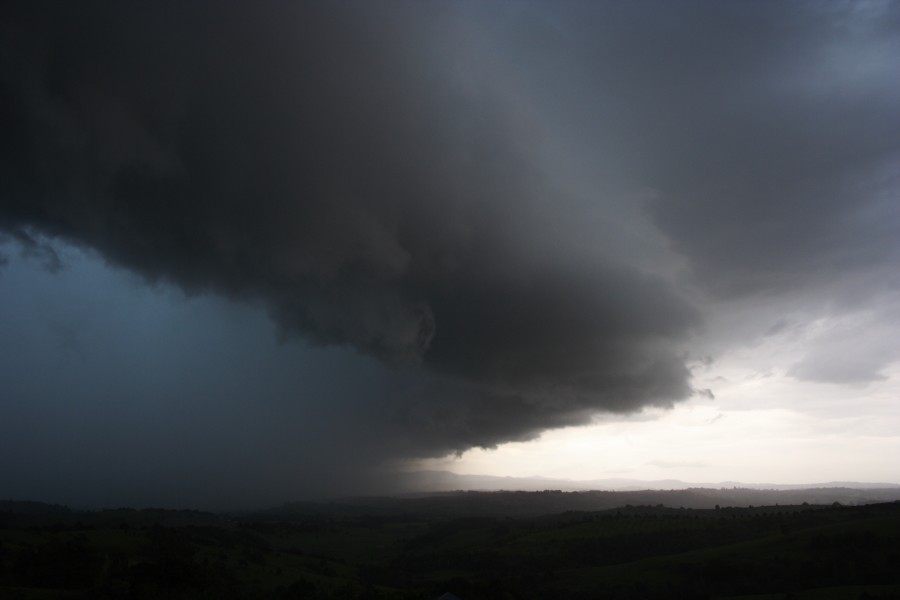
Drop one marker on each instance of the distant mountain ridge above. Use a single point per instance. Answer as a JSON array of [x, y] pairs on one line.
[[447, 481]]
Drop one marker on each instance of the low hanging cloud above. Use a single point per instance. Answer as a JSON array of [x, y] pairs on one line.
[[853, 351], [518, 209], [349, 166]]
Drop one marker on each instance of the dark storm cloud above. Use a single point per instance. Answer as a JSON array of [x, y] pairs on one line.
[[769, 134], [778, 167], [355, 168], [505, 203], [767, 131]]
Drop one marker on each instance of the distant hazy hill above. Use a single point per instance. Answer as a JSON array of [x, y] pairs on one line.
[[519, 504], [25, 507], [446, 481]]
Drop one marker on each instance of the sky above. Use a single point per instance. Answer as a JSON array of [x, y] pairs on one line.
[[257, 252]]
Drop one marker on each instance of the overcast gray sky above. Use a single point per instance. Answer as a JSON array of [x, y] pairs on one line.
[[252, 251]]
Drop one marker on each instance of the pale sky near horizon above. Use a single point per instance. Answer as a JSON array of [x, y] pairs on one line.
[[704, 441], [252, 252]]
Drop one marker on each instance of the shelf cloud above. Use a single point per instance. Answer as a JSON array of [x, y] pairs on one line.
[[523, 212]]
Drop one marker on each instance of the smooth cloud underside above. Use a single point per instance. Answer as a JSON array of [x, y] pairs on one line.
[[381, 176]]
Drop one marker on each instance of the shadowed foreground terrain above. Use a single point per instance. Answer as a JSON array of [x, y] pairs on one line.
[[420, 548]]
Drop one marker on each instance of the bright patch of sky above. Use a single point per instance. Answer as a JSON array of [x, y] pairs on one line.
[[763, 426]]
